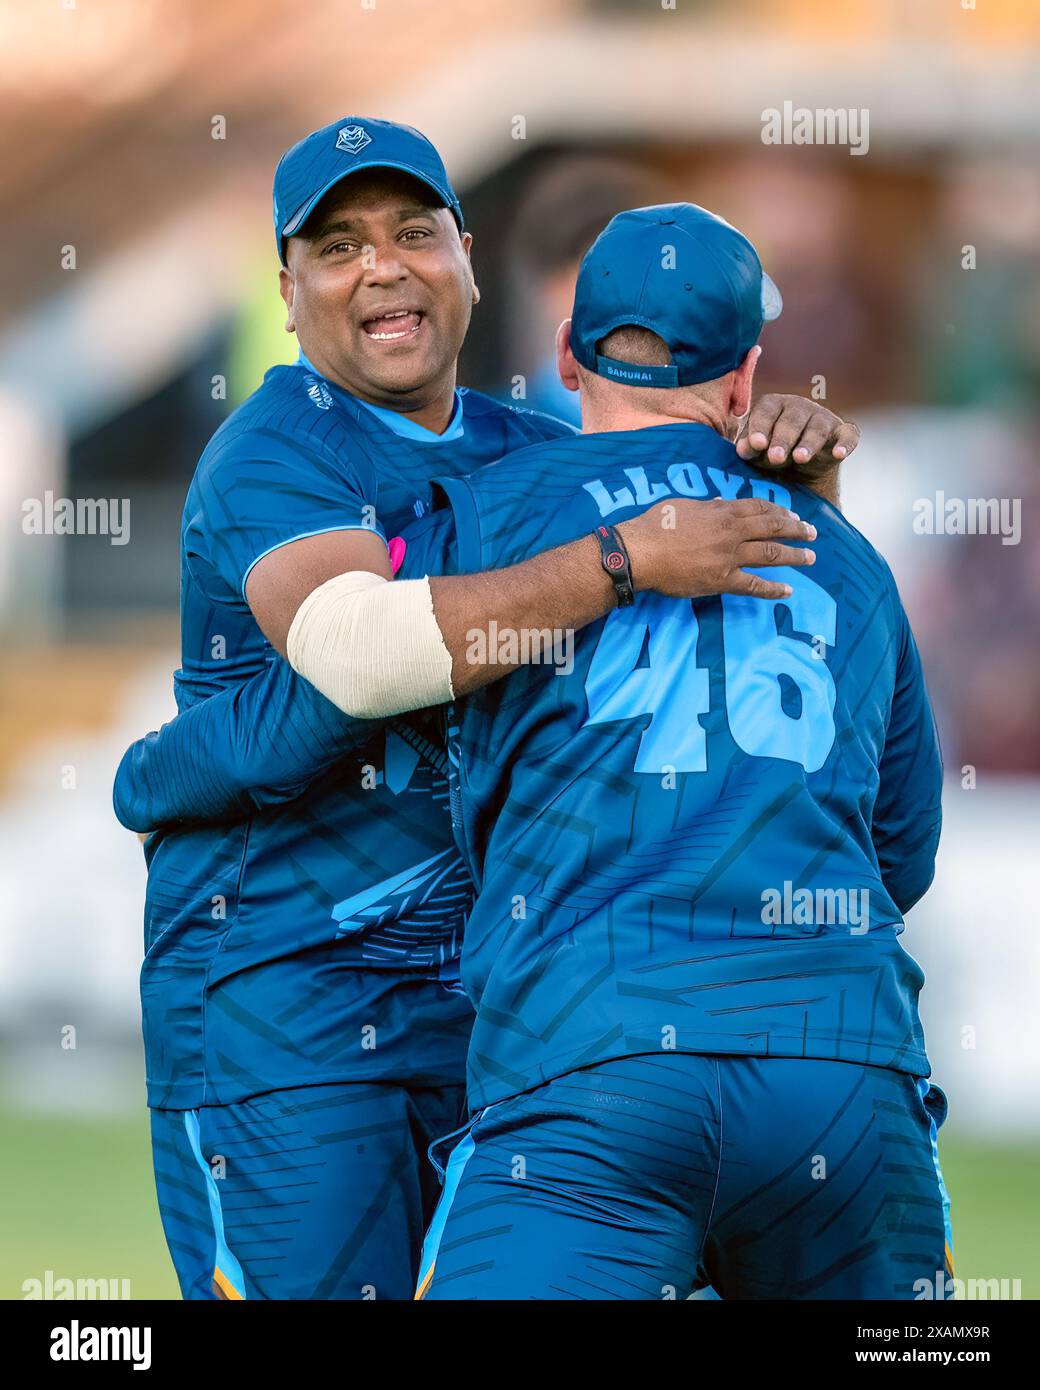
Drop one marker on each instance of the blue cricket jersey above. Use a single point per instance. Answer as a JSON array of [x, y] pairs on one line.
[[701, 836], [315, 938]]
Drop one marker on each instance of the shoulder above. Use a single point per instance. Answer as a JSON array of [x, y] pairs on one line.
[[855, 544], [522, 468], [863, 572], [519, 423], [287, 429]]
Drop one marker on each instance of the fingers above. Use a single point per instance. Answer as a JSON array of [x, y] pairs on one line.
[[777, 525], [847, 439], [764, 414], [748, 506], [744, 449], [745, 509], [756, 519], [825, 441], [772, 553], [789, 427], [792, 429], [819, 431], [754, 586]]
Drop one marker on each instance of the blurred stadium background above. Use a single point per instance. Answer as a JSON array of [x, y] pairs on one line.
[[140, 304]]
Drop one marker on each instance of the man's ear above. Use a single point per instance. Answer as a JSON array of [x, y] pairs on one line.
[[740, 396], [287, 289], [467, 246], [565, 361]]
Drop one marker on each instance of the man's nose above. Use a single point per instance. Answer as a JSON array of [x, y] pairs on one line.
[[383, 264]]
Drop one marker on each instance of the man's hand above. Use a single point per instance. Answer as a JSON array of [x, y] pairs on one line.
[[685, 548], [792, 432]]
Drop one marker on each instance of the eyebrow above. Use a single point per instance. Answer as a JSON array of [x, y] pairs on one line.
[[346, 224]]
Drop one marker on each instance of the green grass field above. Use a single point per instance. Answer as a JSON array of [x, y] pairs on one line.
[[78, 1200]]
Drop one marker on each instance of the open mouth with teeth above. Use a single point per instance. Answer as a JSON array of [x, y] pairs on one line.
[[394, 327]]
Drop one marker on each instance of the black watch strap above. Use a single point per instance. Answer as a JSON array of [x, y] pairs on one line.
[[614, 559]]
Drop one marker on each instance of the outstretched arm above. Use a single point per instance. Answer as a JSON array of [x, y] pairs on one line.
[[254, 745]]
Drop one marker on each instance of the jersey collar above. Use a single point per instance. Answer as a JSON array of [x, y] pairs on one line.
[[400, 424]]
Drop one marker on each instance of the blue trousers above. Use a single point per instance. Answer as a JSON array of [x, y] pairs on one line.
[[651, 1177], [320, 1192]]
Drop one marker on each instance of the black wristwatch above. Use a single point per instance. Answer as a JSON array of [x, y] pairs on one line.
[[614, 559]]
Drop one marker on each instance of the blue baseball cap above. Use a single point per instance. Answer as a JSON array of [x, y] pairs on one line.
[[682, 272], [322, 159]]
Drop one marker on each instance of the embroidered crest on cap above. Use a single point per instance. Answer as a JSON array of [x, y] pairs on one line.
[[353, 138]]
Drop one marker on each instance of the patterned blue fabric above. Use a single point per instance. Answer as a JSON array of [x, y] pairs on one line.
[[317, 1192], [698, 828], [305, 895], [649, 1177]]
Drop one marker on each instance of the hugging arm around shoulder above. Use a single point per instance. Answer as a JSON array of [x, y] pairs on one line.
[[254, 745]]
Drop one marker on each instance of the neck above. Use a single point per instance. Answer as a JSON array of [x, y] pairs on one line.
[[431, 406], [605, 417], [433, 415]]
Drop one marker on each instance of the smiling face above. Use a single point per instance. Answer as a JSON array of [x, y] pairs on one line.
[[379, 290]]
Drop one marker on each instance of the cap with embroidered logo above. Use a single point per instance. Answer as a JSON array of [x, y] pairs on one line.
[[322, 159], [685, 274]]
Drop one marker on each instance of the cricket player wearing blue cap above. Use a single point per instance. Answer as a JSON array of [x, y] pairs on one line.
[[305, 1029], [697, 1056]]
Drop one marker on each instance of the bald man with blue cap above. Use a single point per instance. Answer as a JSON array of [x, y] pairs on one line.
[[695, 827]]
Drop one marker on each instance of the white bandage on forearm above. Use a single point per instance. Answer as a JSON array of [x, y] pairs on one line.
[[371, 645]]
